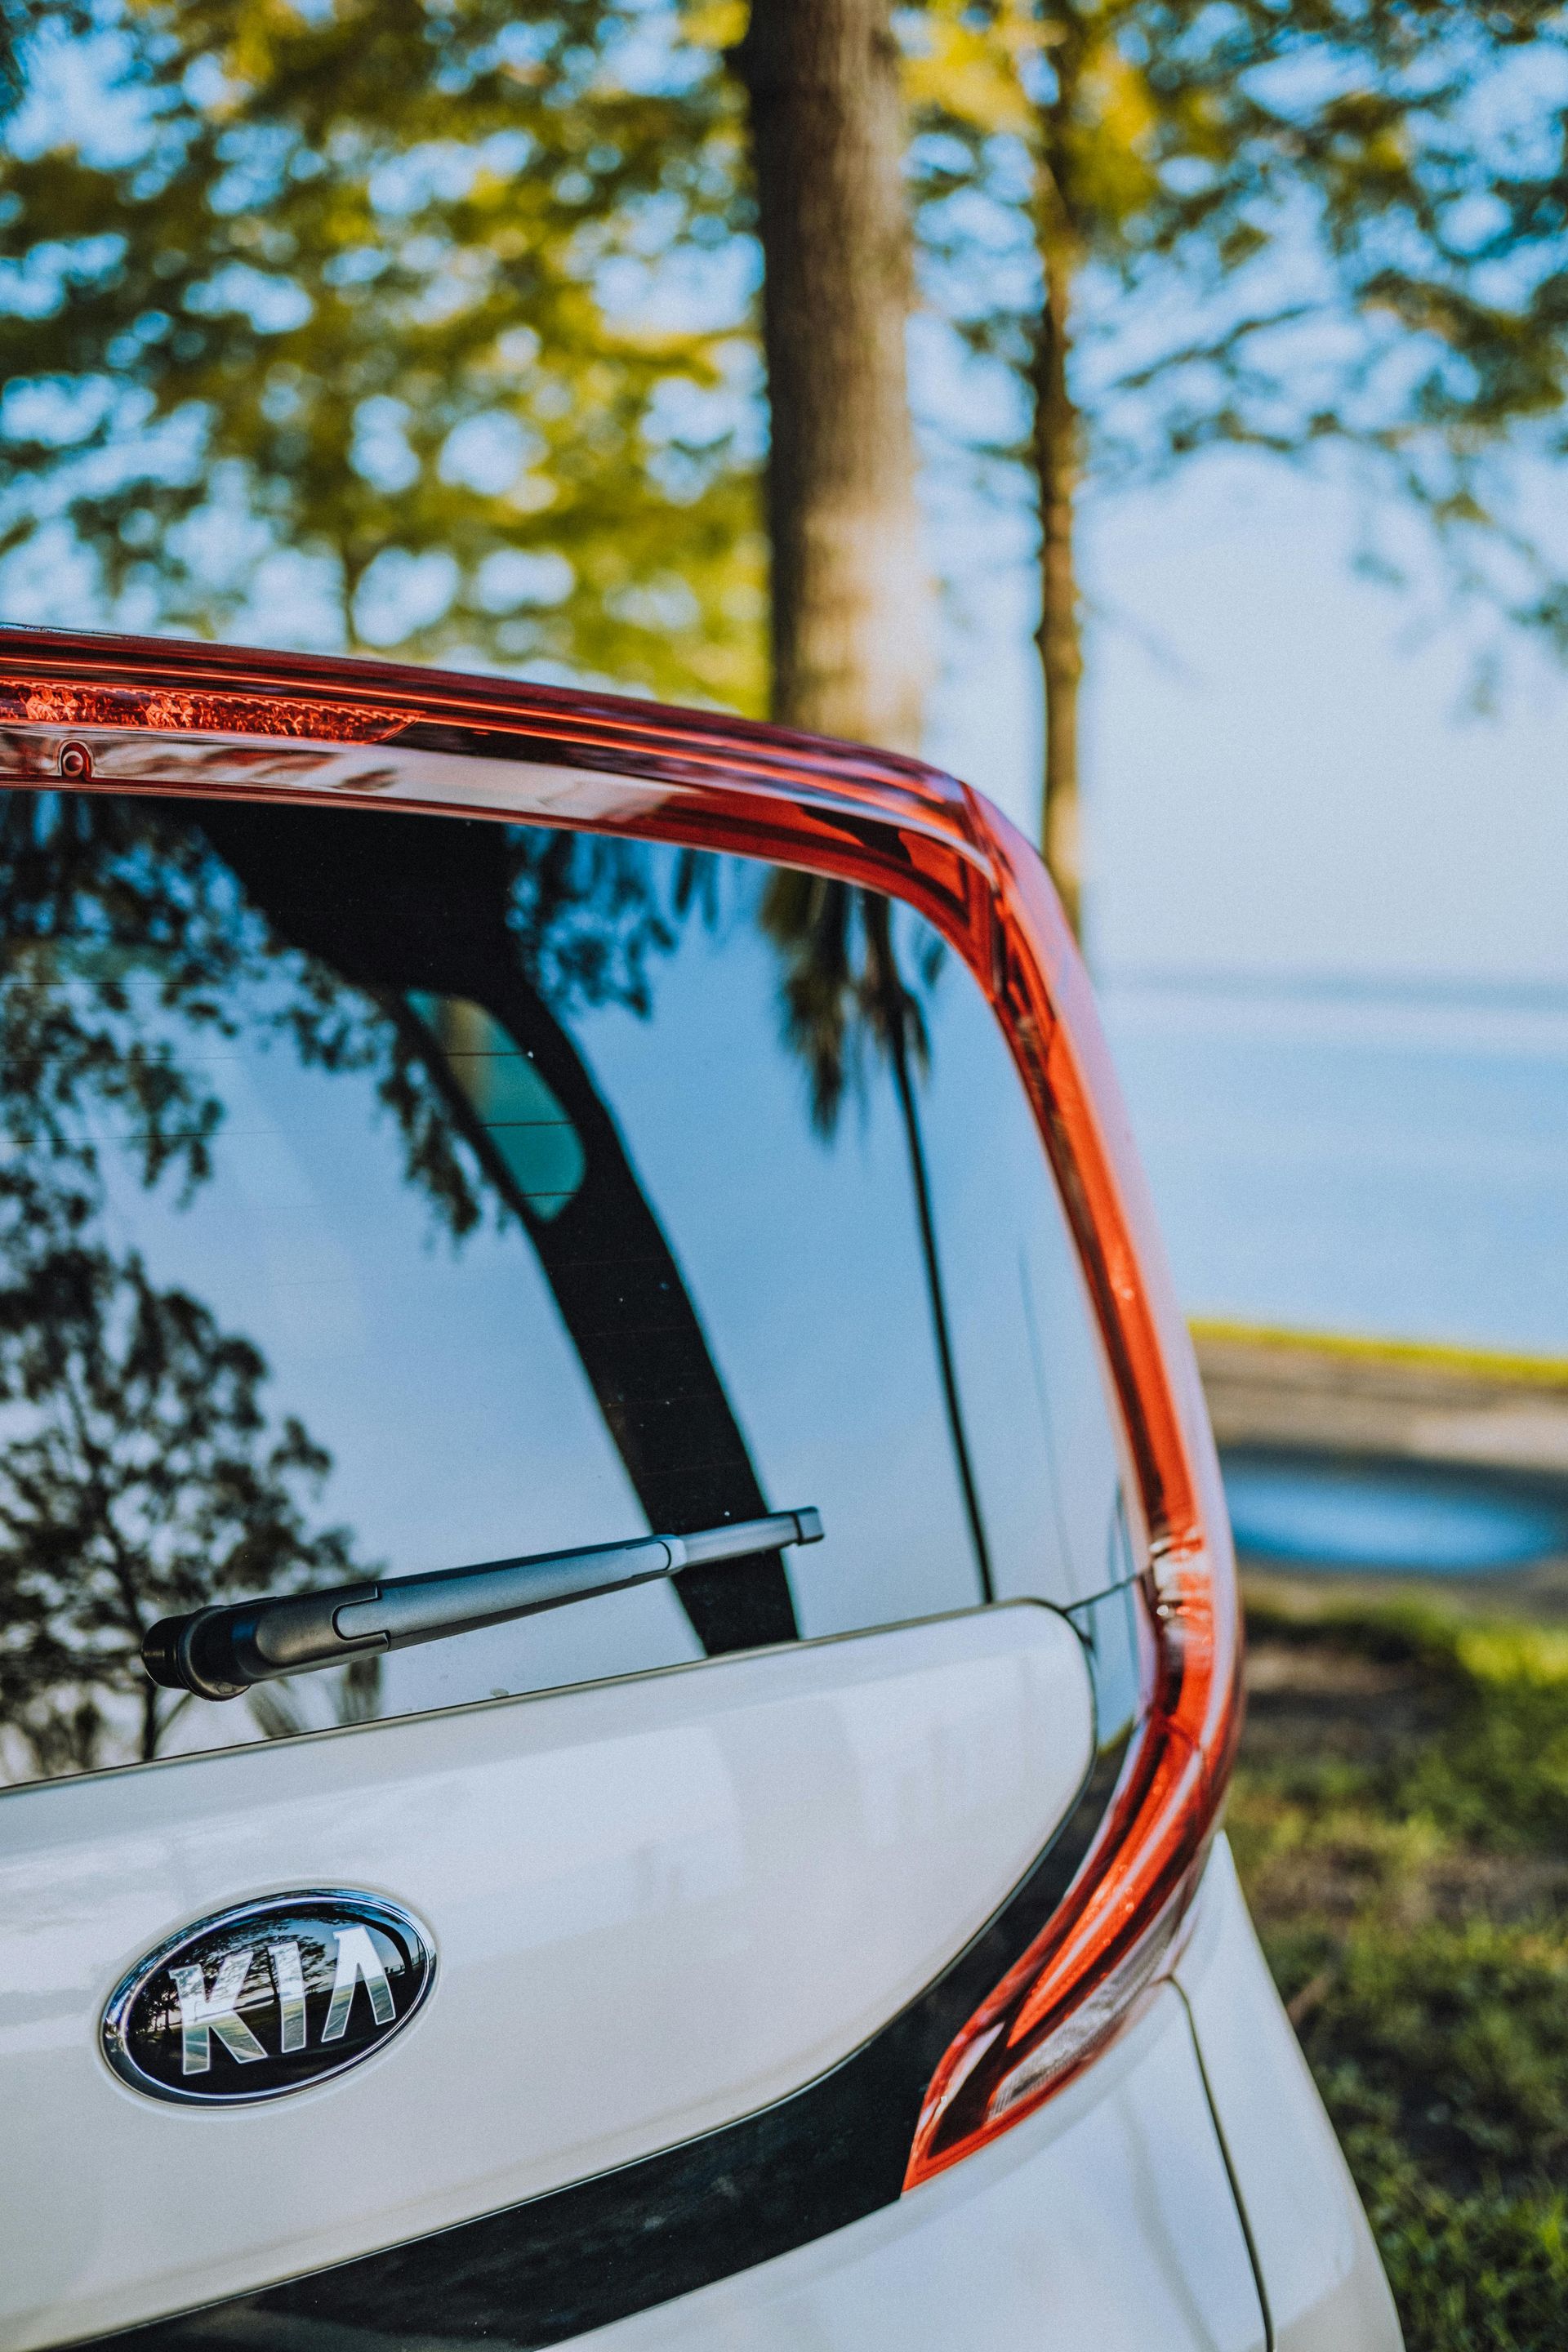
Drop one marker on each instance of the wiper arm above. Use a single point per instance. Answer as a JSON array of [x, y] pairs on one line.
[[221, 1652]]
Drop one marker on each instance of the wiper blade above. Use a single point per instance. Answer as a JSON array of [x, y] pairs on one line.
[[220, 1653]]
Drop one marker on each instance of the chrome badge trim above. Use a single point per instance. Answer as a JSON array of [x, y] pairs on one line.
[[235, 1990]]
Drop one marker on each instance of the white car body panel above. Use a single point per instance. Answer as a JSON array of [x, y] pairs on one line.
[[1104, 2223], [1107, 2221], [1319, 2266], [661, 1903]]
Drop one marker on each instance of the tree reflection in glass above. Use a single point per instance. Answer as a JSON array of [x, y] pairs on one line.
[[846, 1004], [145, 1468], [142, 1470], [140, 1475]]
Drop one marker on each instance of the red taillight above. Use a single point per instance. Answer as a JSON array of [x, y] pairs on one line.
[[1081, 1977]]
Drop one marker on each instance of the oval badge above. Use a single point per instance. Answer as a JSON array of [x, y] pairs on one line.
[[268, 1997]]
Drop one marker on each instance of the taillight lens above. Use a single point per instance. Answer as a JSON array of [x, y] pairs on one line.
[[1083, 1977]]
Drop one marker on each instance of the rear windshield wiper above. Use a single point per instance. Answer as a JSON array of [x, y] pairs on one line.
[[221, 1652]]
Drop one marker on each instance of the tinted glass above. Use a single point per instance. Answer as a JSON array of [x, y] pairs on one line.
[[382, 1193]]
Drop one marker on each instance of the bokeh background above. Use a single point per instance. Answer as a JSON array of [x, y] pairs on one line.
[[453, 329]]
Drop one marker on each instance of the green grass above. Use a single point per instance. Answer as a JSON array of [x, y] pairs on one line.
[[1400, 1818]]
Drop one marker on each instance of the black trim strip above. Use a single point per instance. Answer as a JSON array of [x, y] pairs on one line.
[[540, 2273]]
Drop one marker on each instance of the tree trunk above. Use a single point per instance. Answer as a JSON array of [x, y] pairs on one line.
[[937, 1295], [1057, 450], [850, 600], [895, 1008]]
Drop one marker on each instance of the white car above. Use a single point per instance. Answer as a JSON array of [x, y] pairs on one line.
[[618, 1649]]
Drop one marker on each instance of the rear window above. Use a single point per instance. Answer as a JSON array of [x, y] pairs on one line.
[[383, 1192]]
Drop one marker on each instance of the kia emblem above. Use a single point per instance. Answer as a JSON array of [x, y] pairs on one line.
[[268, 1997]]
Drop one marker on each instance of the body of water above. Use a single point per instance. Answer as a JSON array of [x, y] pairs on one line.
[[1380, 1160], [1400, 1519]]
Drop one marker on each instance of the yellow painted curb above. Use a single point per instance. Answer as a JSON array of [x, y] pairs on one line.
[[1487, 1363]]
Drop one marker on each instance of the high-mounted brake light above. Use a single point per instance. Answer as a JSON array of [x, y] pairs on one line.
[[121, 715]]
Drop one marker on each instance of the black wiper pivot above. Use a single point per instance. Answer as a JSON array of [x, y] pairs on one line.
[[220, 1653]]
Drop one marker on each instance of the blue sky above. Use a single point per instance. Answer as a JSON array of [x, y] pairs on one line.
[[1284, 776]]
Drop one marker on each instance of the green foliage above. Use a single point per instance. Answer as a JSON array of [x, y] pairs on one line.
[[1289, 229], [424, 322], [1399, 1819], [1497, 1777], [1456, 2039], [1483, 2274], [385, 303]]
